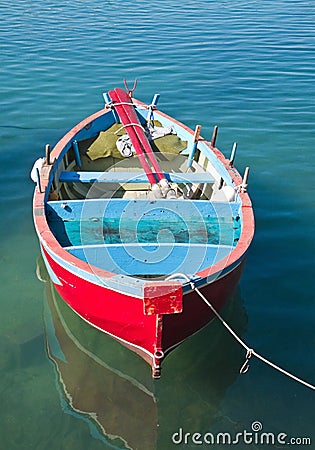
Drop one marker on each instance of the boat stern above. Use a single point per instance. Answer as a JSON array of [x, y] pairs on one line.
[[161, 298]]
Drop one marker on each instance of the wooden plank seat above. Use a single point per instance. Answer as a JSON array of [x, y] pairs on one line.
[[116, 208], [132, 177], [94, 222]]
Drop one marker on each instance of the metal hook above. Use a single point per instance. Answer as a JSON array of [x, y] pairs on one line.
[[130, 91], [245, 366]]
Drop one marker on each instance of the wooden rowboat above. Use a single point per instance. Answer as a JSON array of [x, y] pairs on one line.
[[133, 210]]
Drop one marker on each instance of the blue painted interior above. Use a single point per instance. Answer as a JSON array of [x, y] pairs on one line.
[[140, 236], [137, 237], [133, 177], [92, 129], [145, 259], [115, 207]]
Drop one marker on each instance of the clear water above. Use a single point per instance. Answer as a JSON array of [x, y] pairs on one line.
[[246, 66]]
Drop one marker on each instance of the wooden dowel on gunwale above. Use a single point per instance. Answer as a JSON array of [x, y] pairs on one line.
[[214, 135], [47, 154], [194, 146], [233, 153], [245, 180]]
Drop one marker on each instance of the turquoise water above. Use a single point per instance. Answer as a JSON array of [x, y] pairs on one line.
[[248, 67]]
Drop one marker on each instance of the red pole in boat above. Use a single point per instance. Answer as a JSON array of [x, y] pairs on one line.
[[130, 128], [123, 98]]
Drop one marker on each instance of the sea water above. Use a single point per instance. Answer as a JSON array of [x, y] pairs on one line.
[[245, 66]]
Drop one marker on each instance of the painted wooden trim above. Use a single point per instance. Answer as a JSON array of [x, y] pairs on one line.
[[132, 177]]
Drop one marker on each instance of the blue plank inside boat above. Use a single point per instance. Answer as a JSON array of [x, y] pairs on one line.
[[94, 222], [132, 177], [115, 207], [146, 259]]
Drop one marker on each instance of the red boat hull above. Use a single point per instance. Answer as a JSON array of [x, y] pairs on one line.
[[123, 317]]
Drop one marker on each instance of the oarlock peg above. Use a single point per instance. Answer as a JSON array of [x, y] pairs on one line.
[[214, 135], [233, 153], [243, 186], [47, 155]]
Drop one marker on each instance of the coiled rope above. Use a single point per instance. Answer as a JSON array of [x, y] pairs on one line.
[[249, 351]]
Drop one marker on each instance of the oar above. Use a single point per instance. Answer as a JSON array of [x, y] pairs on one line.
[[130, 128], [122, 95]]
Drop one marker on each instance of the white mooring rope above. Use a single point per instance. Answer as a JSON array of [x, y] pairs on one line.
[[250, 352]]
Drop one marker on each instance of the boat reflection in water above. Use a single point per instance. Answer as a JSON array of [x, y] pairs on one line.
[[111, 387]]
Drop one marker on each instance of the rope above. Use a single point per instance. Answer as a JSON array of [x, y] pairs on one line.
[[128, 125], [249, 351], [114, 104]]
